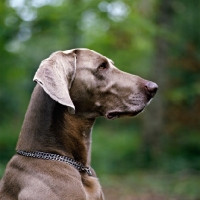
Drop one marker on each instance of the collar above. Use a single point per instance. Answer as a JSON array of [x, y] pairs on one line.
[[50, 156]]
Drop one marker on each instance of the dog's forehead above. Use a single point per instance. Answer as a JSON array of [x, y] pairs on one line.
[[102, 56], [91, 53]]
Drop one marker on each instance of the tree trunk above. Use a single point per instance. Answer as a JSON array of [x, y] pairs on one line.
[[154, 117]]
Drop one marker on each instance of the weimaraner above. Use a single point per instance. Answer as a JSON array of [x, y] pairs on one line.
[[53, 151]]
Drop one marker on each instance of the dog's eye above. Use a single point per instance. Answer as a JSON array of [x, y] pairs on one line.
[[102, 66]]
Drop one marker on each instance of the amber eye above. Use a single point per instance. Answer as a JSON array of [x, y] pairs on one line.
[[102, 66]]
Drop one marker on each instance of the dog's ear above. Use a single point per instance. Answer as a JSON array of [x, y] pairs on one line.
[[55, 74]]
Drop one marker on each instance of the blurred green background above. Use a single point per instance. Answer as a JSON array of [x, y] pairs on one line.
[[153, 156]]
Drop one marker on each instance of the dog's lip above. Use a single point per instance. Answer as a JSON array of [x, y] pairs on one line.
[[117, 114], [112, 115]]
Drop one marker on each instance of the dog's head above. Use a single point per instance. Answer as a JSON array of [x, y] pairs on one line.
[[90, 85]]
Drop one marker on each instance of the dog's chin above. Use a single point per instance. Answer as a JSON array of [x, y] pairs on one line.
[[120, 114]]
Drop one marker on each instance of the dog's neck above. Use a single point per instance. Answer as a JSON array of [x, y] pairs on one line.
[[50, 128]]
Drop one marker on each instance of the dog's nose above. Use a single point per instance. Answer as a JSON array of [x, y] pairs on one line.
[[151, 88]]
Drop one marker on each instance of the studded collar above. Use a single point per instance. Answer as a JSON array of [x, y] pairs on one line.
[[50, 156]]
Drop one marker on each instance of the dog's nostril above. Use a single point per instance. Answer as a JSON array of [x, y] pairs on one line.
[[151, 88]]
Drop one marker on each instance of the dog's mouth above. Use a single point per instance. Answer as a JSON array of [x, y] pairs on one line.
[[118, 114]]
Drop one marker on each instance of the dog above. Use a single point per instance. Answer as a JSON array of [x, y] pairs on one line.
[[73, 88]]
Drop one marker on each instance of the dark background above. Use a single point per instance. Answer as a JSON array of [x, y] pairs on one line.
[[153, 156]]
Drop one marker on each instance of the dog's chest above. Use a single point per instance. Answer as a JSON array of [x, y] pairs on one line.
[[92, 188]]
